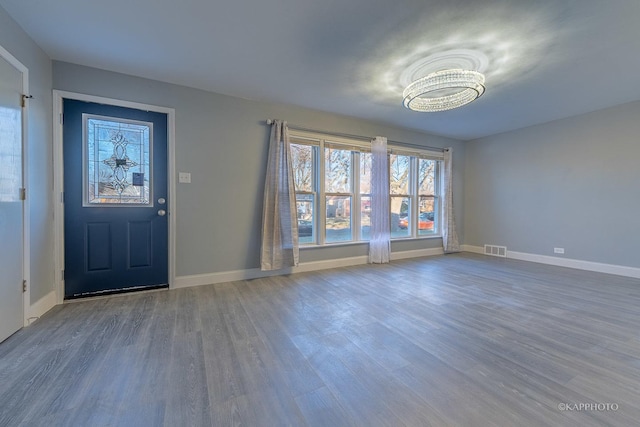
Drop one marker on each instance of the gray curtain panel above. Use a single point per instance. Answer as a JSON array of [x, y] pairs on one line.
[[449, 235], [279, 219], [380, 243]]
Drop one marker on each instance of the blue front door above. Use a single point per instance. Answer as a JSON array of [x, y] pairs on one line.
[[115, 199]]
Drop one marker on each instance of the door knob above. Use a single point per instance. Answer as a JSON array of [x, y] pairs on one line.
[[162, 212]]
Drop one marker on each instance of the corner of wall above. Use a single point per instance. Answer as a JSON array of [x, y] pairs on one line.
[[598, 267], [40, 307]]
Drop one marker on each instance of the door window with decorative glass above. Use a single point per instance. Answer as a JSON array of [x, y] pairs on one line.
[[117, 161]]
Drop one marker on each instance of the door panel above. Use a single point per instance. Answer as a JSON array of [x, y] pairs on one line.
[[140, 243], [98, 246], [11, 215], [115, 182]]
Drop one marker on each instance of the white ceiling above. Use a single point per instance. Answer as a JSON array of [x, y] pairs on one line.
[[544, 59]]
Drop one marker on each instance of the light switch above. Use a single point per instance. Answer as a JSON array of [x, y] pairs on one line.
[[184, 177]]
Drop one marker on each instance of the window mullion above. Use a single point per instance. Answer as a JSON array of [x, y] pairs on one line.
[[414, 171], [355, 199], [437, 189], [322, 211]]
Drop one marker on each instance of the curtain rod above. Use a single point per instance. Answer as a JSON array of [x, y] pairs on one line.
[[367, 138]]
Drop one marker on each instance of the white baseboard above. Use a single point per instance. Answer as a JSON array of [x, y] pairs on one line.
[[416, 253], [619, 270], [40, 307], [474, 249], [254, 273]]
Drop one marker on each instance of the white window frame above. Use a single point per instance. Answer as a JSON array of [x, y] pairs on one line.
[[438, 177], [321, 141], [411, 187]]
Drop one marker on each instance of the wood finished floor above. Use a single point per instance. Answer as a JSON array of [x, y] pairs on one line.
[[456, 340]]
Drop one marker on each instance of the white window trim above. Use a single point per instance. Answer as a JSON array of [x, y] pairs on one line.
[[320, 140]]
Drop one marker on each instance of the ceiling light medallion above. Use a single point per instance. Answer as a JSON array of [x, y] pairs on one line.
[[444, 90]]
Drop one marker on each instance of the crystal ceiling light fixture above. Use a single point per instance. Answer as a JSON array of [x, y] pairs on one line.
[[444, 90]]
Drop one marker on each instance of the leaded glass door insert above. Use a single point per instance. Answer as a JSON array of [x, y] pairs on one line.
[[117, 161], [115, 198]]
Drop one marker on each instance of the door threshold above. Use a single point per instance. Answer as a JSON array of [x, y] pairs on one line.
[[116, 293]]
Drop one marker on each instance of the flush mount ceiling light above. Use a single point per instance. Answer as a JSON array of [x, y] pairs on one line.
[[444, 90]]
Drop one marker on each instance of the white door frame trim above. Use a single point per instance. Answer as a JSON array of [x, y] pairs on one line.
[[58, 176], [26, 229]]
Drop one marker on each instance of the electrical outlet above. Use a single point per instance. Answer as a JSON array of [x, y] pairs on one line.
[[558, 250], [184, 177]]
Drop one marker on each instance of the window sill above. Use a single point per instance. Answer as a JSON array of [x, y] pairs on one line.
[[410, 239], [334, 245], [365, 242]]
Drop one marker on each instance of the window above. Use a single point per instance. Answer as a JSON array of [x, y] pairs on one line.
[[400, 191], [413, 194], [365, 195], [427, 200], [338, 193], [10, 154], [332, 179], [303, 160]]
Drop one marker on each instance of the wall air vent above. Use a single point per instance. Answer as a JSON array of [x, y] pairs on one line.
[[494, 250]]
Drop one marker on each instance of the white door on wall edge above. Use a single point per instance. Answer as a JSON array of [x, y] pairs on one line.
[[11, 204]]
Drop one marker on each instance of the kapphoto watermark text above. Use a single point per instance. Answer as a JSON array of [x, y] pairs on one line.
[[588, 406]]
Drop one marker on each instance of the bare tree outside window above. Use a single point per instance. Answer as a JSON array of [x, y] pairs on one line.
[[302, 163], [400, 203], [427, 196], [339, 193]]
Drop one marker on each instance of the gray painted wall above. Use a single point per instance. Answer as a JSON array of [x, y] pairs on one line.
[[572, 183], [39, 152], [222, 141]]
